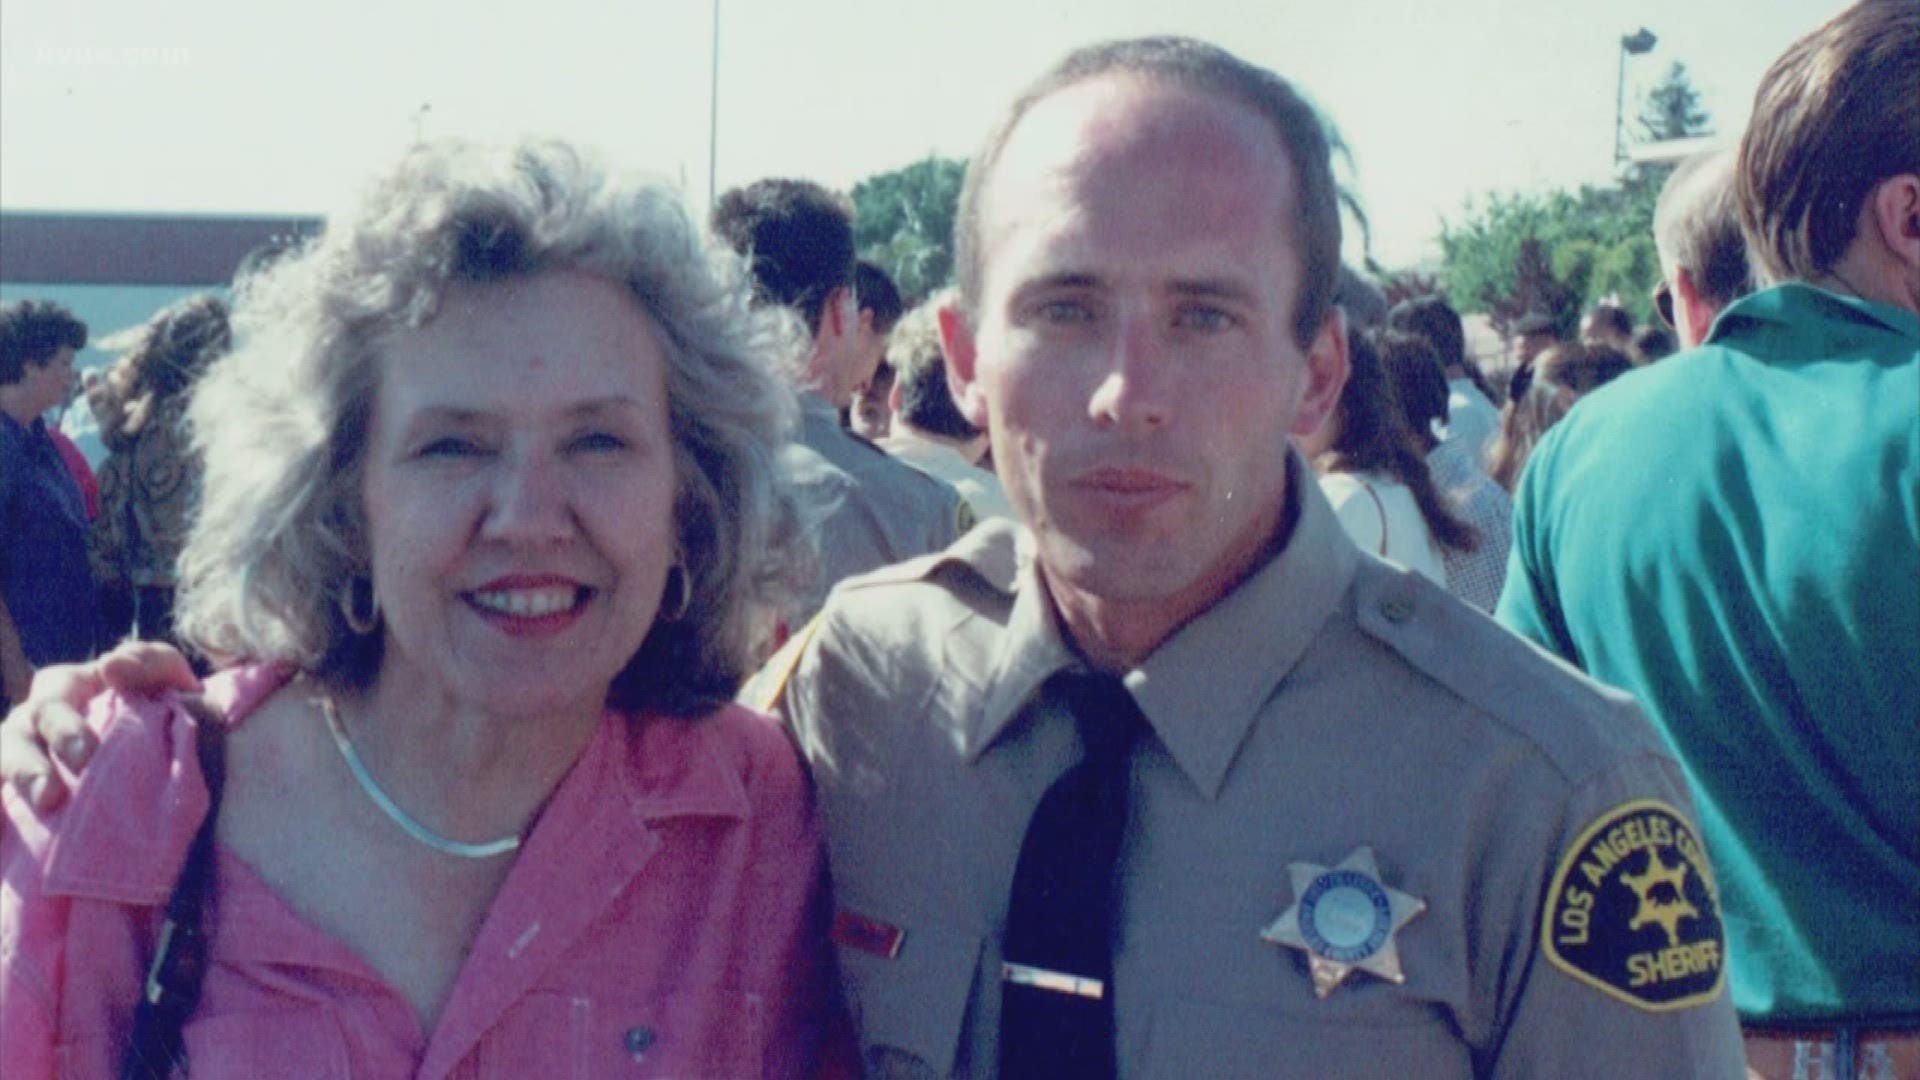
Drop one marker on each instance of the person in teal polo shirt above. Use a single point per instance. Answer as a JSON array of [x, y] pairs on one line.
[[1731, 536]]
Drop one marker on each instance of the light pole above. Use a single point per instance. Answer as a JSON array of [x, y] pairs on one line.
[[713, 112], [1638, 43]]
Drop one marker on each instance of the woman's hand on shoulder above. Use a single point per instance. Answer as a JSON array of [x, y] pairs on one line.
[[52, 722]]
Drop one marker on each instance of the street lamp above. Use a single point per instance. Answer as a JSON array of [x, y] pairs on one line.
[[713, 111], [1638, 43]]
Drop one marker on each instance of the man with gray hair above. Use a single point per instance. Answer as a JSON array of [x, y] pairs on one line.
[[1703, 256]]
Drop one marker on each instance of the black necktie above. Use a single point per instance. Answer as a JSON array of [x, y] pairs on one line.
[[1056, 996]]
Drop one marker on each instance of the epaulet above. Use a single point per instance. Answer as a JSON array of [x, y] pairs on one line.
[[1525, 689], [993, 552], [765, 689]]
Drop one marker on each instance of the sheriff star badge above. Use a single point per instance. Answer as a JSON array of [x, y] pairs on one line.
[[1344, 919]]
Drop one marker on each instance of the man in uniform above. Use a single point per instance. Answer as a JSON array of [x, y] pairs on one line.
[[869, 415], [798, 238], [928, 431], [1368, 833], [1730, 535], [1183, 719]]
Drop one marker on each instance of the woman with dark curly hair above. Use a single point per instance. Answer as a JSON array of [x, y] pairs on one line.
[[151, 478]]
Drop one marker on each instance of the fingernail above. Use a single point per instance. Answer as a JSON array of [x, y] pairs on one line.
[[36, 791], [72, 749]]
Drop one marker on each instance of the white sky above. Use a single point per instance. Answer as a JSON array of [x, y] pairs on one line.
[[227, 105]]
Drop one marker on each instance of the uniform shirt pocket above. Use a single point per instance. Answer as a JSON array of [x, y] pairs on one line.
[[295, 1044], [910, 1009], [1224, 1042], [690, 1034]]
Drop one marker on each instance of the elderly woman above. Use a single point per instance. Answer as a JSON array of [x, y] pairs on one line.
[[489, 504]]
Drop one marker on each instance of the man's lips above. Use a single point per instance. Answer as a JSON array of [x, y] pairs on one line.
[[1128, 481], [1128, 490]]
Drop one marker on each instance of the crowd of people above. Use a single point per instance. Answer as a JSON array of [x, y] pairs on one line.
[[563, 636]]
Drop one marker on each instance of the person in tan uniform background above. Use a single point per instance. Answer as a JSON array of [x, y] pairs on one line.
[[870, 509]]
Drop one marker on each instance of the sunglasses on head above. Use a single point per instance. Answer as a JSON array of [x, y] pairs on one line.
[[1663, 303]]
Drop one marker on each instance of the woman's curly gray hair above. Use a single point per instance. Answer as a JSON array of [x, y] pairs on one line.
[[282, 421]]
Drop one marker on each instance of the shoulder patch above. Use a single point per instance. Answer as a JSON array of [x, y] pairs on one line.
[[765, 689], [1634, 911]]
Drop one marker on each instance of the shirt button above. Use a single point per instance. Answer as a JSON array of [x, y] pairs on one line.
[[639, 1040], [1396, 609]]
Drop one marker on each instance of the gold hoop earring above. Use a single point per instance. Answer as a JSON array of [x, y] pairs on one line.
[[361, 625], [680, 584]]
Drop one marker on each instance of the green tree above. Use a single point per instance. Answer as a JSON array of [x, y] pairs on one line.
[[1672, 110], [903, 222], [1579, 246]]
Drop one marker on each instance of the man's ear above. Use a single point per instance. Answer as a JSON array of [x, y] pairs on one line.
[[962, 350], [1893, 208], [1692, 314], [838, 315], [1327, 368]]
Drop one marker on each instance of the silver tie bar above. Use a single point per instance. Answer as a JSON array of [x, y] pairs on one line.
[[1058, 982]]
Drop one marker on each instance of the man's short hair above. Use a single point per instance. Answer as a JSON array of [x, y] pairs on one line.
[[875, 292], [1696, 226], [33, 332], [1837, 114], [920, 371], [798, 238], [1203, 68], [1434, 319]]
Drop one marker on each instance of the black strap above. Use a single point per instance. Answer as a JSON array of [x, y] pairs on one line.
[[1056, 995], [172, 989]]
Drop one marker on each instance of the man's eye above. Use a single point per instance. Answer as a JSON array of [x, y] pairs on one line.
[[1064, 311], [1203, 318]]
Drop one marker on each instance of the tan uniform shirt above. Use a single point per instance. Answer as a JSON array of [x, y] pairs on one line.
[[1329, 702], [871, 511], [980, 487]]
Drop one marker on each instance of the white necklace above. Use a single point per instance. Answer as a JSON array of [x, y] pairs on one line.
[[408, 825]]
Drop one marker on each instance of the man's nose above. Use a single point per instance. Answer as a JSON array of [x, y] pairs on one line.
[[1133, 391]]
